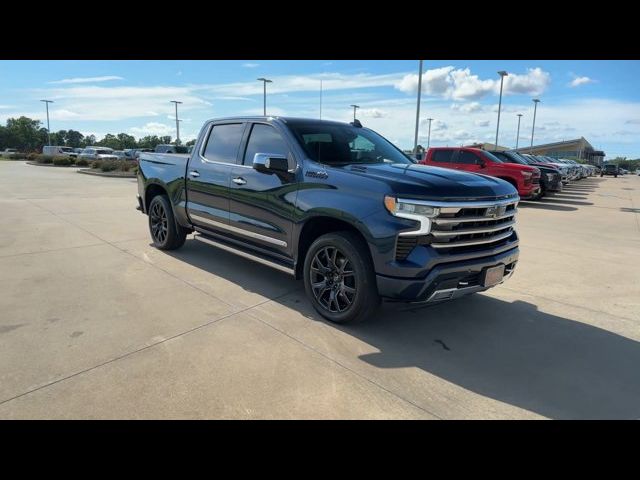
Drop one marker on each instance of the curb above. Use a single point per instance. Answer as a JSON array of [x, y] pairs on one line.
[[49, 165], [87, 171]]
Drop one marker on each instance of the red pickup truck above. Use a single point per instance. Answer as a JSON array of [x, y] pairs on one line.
[[525, 178]]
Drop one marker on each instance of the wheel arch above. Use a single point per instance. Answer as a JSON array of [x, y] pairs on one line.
[[317, 226]]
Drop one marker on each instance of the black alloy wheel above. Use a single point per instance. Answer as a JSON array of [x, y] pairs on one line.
[[333, 281], [158, 222]]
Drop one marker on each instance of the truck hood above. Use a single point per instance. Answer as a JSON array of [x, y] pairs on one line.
[[435, 183]]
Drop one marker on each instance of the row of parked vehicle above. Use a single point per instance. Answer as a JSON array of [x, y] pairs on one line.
[[106, 153], [532, 175]]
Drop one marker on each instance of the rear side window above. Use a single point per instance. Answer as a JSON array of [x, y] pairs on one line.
[[468, 158], [264, 139], [442, 156], [223, 143]]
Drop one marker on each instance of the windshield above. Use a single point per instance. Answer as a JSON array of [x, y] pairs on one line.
[[103, 152], [333, 144], [510, 158], [66, 149]]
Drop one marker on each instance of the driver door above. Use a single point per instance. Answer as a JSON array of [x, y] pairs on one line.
[[262, 202]]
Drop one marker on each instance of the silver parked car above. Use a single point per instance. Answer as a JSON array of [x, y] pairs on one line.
[[97, 153]]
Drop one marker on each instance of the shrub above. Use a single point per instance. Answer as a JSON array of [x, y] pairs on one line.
[[82, 162], [32, 156], [44, 159], [16, 156], [109, 165], [62, 161], [96, 164]]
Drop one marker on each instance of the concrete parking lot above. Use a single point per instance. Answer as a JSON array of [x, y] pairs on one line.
[[96, 323]]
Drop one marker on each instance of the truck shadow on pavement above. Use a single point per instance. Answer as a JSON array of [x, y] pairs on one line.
[[545, 206], [508, 351], [514, 353]]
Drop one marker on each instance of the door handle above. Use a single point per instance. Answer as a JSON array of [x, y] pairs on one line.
[[194, 173], [239, 181]]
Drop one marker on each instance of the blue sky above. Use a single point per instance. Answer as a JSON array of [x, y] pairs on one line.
[[599, 100]]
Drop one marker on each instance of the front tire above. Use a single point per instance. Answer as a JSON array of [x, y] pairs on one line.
[[165, 231], [339, 278]]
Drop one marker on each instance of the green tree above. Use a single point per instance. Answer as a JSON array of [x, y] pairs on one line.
[[25, 134], [88, 141], [110, 141], [150, 141], [166, 139], [127, 141], [74, 138], [190, 142]]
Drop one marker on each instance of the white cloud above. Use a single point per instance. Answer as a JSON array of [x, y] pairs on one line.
[[371, 112], [481, 123], [633, 121], [153, 128], [105, 78], [534, 82], [467, 107], [250, 65], [232, 98], [576, 82], [461, 84]]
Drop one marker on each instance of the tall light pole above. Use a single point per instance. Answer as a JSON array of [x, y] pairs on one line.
[[264, 101], [47, 102], [533, 127], [429, 134], [415, 138], [320, 99], [355, 107], [502, 74], [518, 134], [177, 121]]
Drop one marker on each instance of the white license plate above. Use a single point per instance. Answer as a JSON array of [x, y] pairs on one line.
[[493, 276]]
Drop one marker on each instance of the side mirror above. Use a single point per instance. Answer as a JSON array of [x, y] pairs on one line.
[[270, 162]]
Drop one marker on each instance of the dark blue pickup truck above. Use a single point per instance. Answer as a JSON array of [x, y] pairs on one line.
[[337, 205]]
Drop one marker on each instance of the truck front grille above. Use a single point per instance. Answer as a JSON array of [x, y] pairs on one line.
[[462, 228], [458, 226]]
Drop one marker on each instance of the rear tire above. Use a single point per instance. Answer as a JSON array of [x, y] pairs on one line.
[[165, 231], [339, 278]]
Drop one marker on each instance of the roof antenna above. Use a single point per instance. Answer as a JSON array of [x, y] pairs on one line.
[[356, 123]]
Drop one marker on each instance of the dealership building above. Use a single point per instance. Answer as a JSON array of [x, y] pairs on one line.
[[578, 149]]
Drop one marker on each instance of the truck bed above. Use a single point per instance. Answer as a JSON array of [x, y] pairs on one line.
[[163, 165]]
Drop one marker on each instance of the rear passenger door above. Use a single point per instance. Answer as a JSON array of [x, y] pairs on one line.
[[468, 161], [442, 158], [262, 202], [209, 174]]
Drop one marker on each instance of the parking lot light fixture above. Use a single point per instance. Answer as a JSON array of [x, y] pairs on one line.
[[264, 99], [47, 102], [177, 121], [355, 107], [502, 74], [533, 126], [518, 134]]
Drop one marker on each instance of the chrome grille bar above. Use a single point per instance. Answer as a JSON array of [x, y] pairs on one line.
[[479, 241], [467, 231]]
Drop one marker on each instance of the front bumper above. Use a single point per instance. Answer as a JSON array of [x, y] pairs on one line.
[[530, 193], [445, 281]]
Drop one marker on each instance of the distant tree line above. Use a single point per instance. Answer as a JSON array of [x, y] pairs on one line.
[[28, 135]]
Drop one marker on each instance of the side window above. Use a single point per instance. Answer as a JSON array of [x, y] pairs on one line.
[[264, 139], [468, 158], [223, 143], [442, 156]]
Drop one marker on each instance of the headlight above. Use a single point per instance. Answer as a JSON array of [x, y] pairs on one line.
[[526, 175], [412, 211]]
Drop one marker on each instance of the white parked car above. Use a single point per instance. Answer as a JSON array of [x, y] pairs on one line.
[[57, 151]]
